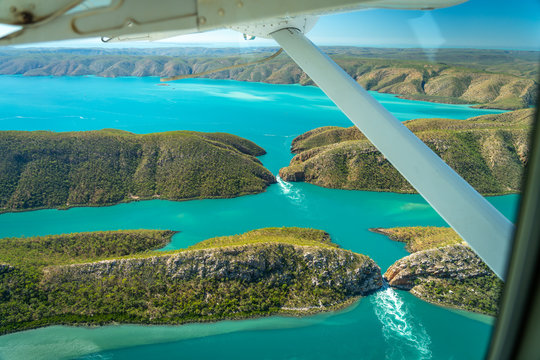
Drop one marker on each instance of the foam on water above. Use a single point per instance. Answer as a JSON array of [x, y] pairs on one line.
[[290, 191], [405, 336], [239, 95]]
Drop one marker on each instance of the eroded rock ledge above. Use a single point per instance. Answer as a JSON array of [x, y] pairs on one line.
[[353, 274], [442, 272], [457, 262]]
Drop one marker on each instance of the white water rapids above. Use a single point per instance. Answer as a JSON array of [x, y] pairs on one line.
[[405, 336], [292, 193]]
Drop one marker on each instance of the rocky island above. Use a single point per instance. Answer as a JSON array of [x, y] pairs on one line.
[[114, 277], [443, 270], [488, 151], [42, 169]]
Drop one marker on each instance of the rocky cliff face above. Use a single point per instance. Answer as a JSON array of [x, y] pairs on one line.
[[211, 284], [456, 262], [346, 272], [451, 275], [490, 152]]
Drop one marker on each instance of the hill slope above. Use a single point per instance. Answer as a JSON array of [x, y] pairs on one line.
[[46, 170], [263, 272], [455, 75], [488, 151]]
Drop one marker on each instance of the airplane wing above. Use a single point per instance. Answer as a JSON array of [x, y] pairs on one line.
[[53, 20]]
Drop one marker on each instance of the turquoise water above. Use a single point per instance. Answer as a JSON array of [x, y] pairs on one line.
[[389, 324]]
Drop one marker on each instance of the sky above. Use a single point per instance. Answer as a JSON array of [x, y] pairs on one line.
[[512, 24], [494, 24]]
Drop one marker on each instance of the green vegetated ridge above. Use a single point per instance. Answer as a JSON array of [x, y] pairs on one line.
[[455, 85], [105, 277], [443, 270], [489, 78], [488, 151], [41, 169]]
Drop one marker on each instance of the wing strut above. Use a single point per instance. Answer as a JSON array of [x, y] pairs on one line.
[[482, 226]]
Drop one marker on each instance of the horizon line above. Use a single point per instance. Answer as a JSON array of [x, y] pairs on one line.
[[232, 45]]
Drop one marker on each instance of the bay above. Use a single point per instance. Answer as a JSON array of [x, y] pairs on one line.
[[389, 324]]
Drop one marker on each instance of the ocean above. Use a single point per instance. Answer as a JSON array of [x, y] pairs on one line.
[[389, 324]]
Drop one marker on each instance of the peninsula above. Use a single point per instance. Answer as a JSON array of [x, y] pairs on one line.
[[488, 151], [42, 169], [114, 277]]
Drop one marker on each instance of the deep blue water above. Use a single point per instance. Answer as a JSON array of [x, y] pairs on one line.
[[389, 324]]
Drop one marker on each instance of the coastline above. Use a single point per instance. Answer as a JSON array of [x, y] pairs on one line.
[[126, 201], [452, 101], [61, 208], [397, 192], [43, 323]]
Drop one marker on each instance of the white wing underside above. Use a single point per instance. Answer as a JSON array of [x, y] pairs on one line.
[[53, 20]]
